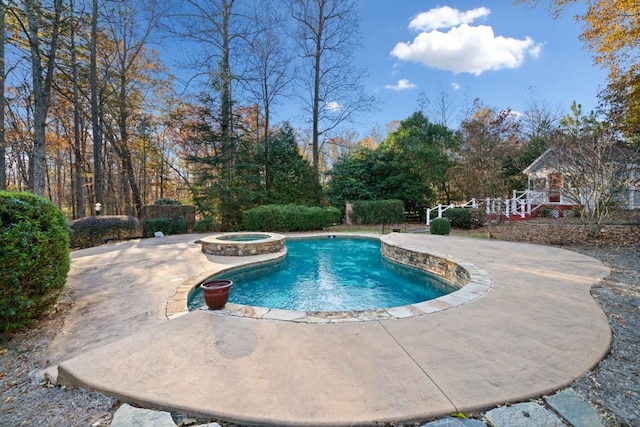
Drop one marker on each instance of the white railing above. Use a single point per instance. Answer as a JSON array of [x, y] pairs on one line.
[[522, 203], [443, 208]]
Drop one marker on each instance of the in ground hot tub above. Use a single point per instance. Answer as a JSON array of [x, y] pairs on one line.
[[243, 244]]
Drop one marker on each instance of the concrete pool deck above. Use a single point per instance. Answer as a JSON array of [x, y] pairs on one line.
[[533, 333]]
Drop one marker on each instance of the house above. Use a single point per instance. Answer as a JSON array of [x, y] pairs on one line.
[[559, 183], [553, 181]]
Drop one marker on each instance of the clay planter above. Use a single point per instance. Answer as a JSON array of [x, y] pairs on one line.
[[216, 293]]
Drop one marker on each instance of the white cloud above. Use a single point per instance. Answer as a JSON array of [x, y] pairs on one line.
[[403, 84], [333, 106], [463, 48], [455, 86], [446, 17]]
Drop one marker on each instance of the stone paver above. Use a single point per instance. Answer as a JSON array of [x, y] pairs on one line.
[[528, 414], [128, 416], [574, 410], [455, 422], [532, 333]]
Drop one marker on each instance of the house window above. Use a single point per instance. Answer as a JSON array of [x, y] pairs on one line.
[[538, 184]]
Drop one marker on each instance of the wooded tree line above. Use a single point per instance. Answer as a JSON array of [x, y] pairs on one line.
[[425, 163], [91, 114]]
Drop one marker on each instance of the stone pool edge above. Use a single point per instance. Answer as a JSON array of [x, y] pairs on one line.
[[474, 282]]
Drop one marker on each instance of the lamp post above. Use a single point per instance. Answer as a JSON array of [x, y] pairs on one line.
[[97, 207]]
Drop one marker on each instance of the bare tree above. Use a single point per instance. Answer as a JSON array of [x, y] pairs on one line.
[[540, 119], [130, 26], [596, 169], [3, 155], [217, 27], [327, 32], [96, 127], [441, 108], [77, 148], [42, 70], [269, 69]]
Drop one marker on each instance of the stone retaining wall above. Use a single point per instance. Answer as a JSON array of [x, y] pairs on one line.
[[273, 244], [452, 272]]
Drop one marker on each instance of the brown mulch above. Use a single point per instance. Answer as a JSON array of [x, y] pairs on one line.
[[613, 387], [27, 399]]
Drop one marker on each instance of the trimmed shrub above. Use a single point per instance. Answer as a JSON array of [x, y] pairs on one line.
[[289, 218], [378, 212], [465, 217], [34, 260], [167, 202], [178, 225], [545, 212], [205, 225], [478, 217], [157, 224], [168, 211], [440, 226], [95, 230]]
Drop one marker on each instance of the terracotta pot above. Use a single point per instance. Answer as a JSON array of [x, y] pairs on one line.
[[216, 293]]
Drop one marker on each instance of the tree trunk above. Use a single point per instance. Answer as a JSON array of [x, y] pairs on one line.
[[77, 149], [3, 165], [226, 114], [123, 148], [41, 90], [98, 179], [315, 144]]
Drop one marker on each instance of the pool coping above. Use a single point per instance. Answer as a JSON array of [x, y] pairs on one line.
[[477, 283]]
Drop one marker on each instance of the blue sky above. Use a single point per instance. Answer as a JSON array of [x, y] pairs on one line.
[[503, 54]]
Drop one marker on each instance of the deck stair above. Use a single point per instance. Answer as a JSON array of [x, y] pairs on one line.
[[521, 206]]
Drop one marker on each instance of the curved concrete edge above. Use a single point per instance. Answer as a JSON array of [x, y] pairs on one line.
[[535, 332], [556, 330], [198, 338], [473, 282]]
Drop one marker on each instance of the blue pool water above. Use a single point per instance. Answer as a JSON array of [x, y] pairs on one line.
[[330, 274]]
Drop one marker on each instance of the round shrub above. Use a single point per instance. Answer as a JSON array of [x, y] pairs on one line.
[[95, 230], [34, 260], [440, 226]]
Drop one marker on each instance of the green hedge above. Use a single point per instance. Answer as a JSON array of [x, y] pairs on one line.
[[465, 217], [177, 213], [153, 225], [175, 225], [440, 226], [289, 218], [95, 230], [178, 225], [378, 212], [204, 225], [34, 258]]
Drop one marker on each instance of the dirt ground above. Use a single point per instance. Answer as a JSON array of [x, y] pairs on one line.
[[613, 387]]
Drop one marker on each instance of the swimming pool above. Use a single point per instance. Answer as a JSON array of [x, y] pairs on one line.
[[330, 274]]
